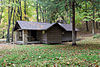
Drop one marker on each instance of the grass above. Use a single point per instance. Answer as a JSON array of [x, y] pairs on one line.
[[87, 53]]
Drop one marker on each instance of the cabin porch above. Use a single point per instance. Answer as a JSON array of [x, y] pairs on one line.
[[26, 37]]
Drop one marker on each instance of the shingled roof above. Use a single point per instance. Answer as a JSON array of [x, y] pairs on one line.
[[26, 25]]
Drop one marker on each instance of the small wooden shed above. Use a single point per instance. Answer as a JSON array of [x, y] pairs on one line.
[[37, 32]]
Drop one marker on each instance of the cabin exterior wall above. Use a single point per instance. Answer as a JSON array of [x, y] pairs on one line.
[[19, 37], [42, 36], [54, 34], [67, 36]]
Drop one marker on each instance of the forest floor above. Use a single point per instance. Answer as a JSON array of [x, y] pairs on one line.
[[86, 53]]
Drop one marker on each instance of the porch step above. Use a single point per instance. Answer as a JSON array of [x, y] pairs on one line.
[[19, 42], [34, 42]]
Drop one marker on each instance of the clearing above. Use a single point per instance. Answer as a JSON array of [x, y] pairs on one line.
[[87, 53]]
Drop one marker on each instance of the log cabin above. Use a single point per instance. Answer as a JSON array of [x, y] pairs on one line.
[[27, 32]]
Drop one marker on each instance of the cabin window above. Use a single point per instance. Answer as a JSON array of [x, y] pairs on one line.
[[43, 32]]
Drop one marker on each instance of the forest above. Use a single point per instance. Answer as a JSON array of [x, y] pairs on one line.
[[81, 14], [51, 11]]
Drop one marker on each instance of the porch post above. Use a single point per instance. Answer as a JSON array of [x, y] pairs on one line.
[[16, 36], [24, 33]]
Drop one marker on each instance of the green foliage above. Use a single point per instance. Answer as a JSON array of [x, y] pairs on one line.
[[50, 11], [96, 36]]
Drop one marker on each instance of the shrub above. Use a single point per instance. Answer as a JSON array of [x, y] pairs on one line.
[[96, 36]]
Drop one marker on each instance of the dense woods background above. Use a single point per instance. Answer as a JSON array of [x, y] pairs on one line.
[[85, 14]]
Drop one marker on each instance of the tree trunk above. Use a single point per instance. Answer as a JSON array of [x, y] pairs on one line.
[[25, 10], [8, 38], [9, 22], [45, 16], [20, 10], [25, 7], [1, 12], [40, 13], [93, 24], [93, 27], [70, 12], [13, 23], [37, 11], [3, 33], [73, 25], [97, 25], [87, 28], [66, 8]]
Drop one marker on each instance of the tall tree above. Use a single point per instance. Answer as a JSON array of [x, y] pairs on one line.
[[13, 23], [93, 23], [37, 11], [70, 11], [87, 28], [25, 6], [10, 10], [1, 10], [41, 11], [98, 16], [73, 24], [20, 10]]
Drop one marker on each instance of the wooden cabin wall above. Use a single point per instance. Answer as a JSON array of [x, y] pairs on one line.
[[42, 36], [67, 36], [54, 34], [39, 35], [19, 35], [18, 39]]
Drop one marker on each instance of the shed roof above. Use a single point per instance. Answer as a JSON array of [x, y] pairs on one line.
[[26, 25]]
